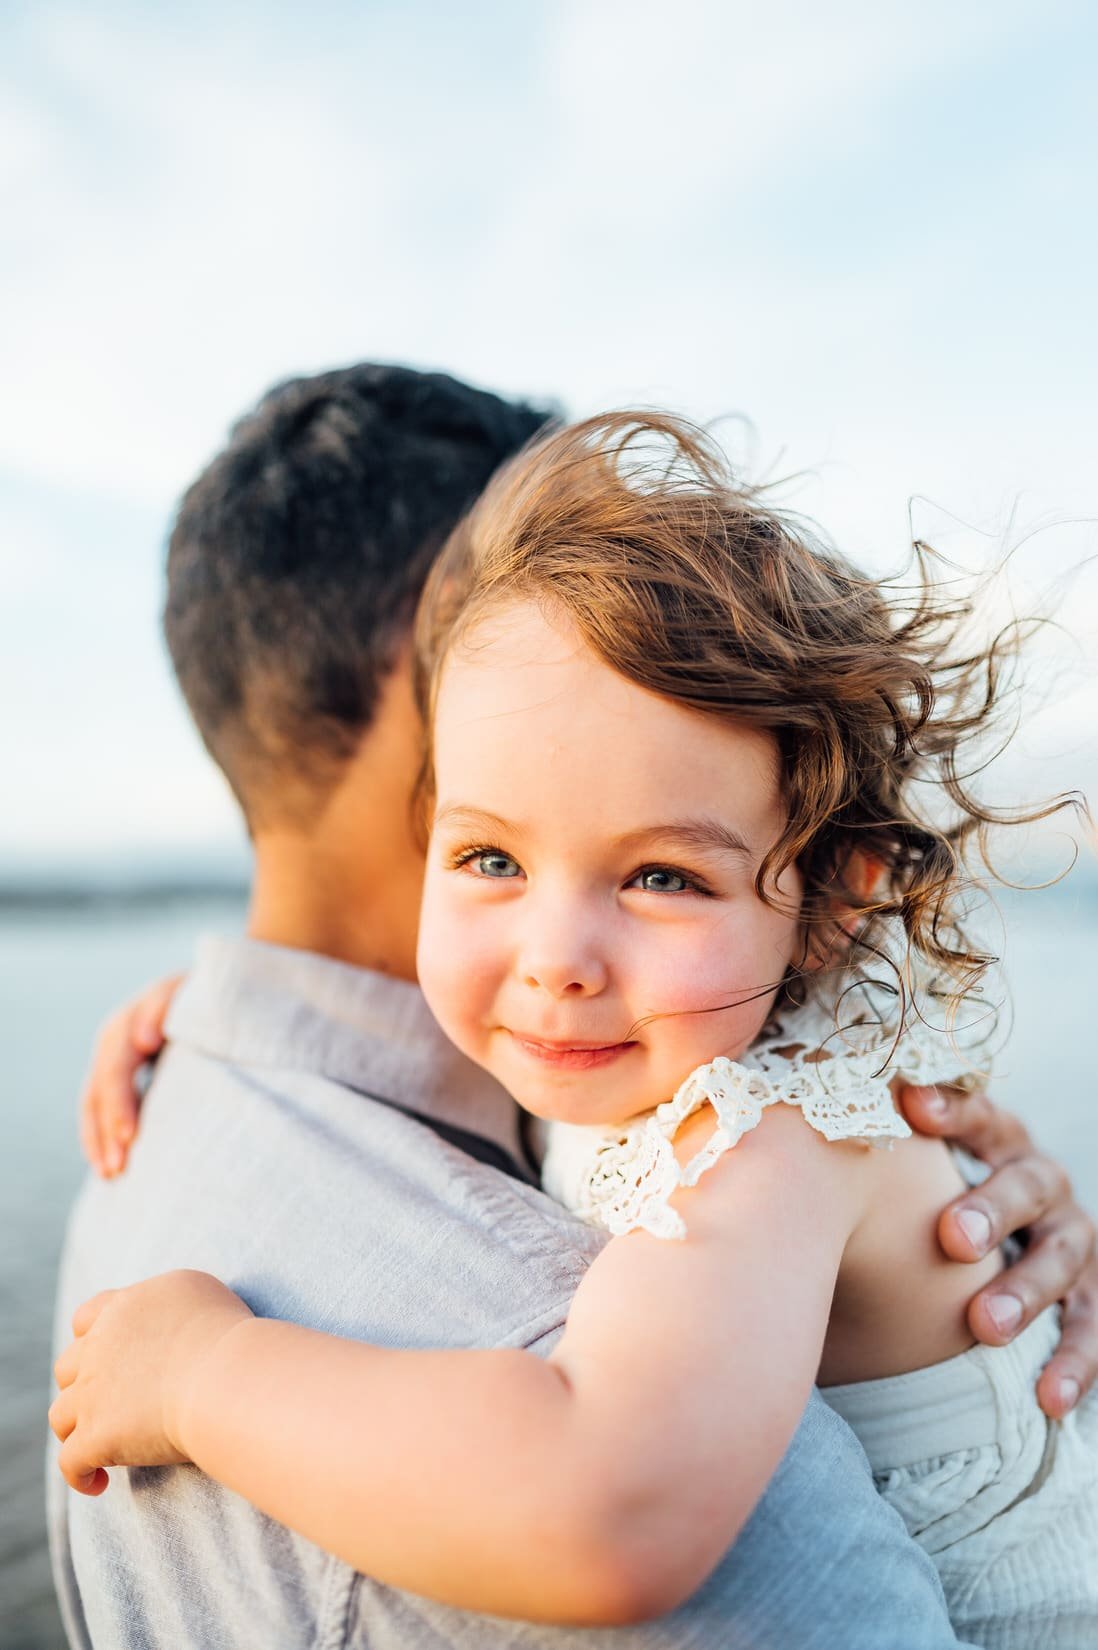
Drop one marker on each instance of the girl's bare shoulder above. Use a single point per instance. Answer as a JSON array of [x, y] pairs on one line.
[[900, 1303]]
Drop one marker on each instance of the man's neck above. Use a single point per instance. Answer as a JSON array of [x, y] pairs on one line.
[[348, 885], [348, 908]]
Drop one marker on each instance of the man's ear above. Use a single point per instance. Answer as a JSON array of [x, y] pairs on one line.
[[827, 943]]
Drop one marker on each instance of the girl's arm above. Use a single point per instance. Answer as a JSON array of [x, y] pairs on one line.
[[1026, 1189], [600, 1485]]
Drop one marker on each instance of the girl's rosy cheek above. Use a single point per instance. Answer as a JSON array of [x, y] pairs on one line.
[[459, 970], [678, 980]]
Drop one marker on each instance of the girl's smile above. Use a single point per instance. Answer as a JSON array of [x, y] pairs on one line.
[[573, 1055], [591, 930]]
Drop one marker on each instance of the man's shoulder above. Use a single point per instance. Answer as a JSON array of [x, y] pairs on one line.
[[319, 1204], [323, 1207]]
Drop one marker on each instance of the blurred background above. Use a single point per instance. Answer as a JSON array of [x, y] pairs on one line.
[[869, 229]]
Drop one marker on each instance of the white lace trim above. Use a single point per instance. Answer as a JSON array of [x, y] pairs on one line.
[[623, 1179]]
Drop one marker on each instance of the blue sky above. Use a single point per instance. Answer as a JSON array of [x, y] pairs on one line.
[[870, 228]]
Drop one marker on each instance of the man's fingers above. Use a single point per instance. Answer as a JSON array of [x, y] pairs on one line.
[[1072, 1369], [969, 1120], [1005, 1306], [1027, 1191], [1018, 1195], [927, 1109], [87, 1312], [1063, 1382]]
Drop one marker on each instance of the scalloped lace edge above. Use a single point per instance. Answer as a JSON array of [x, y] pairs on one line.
[[628, 1175]]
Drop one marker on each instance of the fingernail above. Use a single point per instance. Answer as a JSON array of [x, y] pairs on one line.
[[1005, 1312], [976, 1227], [936, 1104], [1069, 1393], [114, 1159]]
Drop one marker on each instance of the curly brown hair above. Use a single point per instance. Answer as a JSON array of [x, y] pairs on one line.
[[697, 588]]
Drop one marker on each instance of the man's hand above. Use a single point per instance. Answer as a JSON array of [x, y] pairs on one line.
[[124, 1379], [1025, 1192], [111, 1100]]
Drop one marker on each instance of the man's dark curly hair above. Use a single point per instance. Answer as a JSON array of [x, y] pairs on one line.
[[297, 558]]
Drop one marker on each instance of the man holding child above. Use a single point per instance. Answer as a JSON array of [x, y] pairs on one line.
[[312, 1138]]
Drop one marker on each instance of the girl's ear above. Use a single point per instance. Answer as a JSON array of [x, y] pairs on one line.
[[827, 943], [863, 875]]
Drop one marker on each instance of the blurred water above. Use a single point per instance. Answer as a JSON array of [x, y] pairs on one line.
[[59, 974]]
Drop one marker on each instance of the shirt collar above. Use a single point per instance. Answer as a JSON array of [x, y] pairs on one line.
[[253, 1004]]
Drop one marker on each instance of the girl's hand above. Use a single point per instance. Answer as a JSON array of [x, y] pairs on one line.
[[111, 1100], [124, 1378], [1026, 1191]]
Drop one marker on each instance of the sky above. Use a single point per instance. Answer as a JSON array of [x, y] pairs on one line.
[[869, 229]]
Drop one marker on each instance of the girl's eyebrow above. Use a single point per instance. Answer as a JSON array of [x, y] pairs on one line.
[[476, 819], [691, 833]]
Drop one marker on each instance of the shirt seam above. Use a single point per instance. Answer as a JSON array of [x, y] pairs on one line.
[[342, 1580]]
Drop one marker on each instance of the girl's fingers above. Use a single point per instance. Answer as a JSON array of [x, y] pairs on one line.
[[78, 1472], [118, 1122], [62, 1416], [117, 1098], [86, 1313], [110, 1101], [108, 1090], [90, 1143], [152, 1011], [64, 1370]]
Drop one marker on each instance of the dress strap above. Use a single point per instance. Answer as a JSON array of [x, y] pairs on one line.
[[624, 1180], [833, 1056]]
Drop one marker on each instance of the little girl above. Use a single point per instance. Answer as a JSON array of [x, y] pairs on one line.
[[682, 901]]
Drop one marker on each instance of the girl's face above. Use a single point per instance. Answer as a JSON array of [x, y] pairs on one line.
[[590, 876]]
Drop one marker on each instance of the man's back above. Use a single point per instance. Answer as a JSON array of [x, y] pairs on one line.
[[269, 1156]]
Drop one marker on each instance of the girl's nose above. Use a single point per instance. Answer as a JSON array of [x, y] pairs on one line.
[[565, 982], [562, 967]]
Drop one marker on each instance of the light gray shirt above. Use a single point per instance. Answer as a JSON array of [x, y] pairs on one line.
[[267, 1156]]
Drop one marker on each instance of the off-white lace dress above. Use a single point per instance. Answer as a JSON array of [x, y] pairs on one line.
[[1003, 1500]]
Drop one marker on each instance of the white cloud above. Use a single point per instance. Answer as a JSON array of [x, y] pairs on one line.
[[597, 199]]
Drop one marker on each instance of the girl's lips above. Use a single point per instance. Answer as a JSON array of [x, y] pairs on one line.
[[571, 1056]]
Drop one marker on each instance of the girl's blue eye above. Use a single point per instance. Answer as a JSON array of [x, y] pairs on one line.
[[660, 879], [492, 863]]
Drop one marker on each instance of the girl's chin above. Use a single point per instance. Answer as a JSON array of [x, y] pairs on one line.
[[556, 1104], [550, 1111]]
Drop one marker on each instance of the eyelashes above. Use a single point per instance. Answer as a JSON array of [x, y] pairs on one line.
[[457, 858], [467, 855], [692, 884]]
